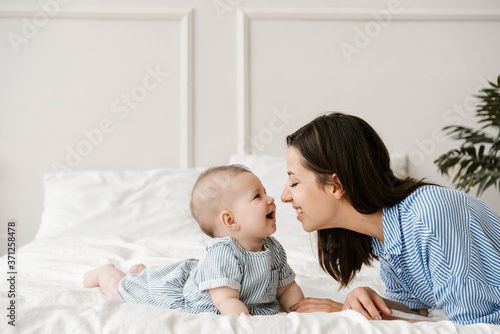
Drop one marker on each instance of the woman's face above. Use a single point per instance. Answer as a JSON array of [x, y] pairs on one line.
[[315, 205]]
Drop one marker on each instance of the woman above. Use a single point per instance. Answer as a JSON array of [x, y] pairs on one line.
[[438, 247]]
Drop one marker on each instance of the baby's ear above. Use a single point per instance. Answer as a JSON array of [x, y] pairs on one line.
[[228, 221]]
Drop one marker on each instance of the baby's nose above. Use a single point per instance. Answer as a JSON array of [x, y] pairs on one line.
[[270, 200]]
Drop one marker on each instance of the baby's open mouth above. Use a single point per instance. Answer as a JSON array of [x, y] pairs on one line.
[[271, 215]]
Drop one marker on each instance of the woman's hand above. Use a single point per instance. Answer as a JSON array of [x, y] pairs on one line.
[[308, 305], [367, 302]]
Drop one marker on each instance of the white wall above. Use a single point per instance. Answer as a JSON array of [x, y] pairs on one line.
[[68, 67]]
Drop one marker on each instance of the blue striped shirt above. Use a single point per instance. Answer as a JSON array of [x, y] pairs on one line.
[[184, 285], [442, 249]]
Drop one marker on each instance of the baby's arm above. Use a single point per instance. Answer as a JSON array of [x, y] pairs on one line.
[[227, 301], [289, 295]]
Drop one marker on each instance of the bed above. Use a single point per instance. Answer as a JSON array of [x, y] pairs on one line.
[[129, 217]]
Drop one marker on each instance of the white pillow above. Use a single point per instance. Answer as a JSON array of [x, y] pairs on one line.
[[156, 202], [119, 203]]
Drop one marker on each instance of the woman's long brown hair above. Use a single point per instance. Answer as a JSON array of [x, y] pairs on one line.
[[349, 147]]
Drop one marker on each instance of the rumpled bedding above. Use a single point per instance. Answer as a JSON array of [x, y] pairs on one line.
[[50, 297]]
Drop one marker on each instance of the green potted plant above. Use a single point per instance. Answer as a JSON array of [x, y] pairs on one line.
[[477, 161]]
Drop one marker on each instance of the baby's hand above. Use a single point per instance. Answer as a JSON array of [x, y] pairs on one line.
[[137, 268]]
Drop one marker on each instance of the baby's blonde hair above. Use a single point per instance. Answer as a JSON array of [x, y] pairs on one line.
[[210, 196]]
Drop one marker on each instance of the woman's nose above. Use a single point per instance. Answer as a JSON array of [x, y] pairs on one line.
[[285, 195]]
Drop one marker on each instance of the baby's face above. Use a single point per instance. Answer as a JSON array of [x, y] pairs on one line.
[[252, 208]]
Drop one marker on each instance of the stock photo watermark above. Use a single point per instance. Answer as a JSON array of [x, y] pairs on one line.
[[11, 272], [371, 30], [122, 108], [454, 115], [277, 124], [223, 6], [32, 25]]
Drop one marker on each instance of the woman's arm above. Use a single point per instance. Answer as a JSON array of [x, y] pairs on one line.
[[227, 301], [289, 295], [403, 308], [308, 305]]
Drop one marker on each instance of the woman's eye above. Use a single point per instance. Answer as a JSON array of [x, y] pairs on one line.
[[293, 184]]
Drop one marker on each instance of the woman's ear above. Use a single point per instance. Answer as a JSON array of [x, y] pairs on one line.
[[228, 221], [337, 189]]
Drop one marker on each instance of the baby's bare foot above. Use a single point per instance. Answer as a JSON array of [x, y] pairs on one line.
[[137, 268], [91, 278]]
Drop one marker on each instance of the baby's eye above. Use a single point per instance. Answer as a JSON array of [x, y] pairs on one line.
[[257, 196]]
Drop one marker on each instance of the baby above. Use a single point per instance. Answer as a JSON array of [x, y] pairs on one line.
[[244, 268]]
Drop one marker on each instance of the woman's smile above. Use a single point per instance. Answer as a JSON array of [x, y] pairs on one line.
[[299, 212]]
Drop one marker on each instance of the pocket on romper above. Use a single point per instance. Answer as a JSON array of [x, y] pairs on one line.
[[272, 288]]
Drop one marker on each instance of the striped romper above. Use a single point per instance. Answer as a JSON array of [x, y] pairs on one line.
[[442, 249], [184, 285]]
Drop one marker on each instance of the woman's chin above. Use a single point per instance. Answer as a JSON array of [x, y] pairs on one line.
[[307, 228]]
